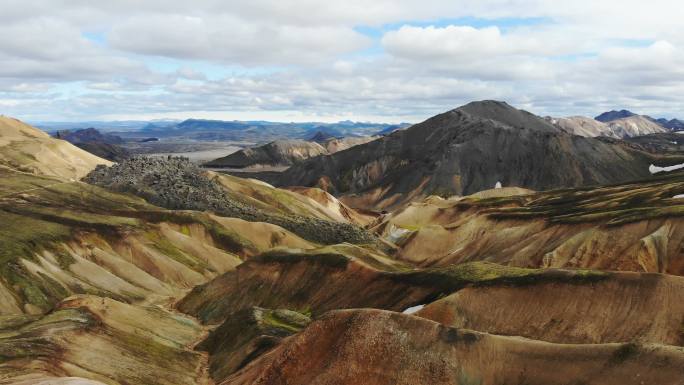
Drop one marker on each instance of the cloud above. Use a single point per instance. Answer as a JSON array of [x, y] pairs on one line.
[[457, 43], [386, 59], [229, 39]]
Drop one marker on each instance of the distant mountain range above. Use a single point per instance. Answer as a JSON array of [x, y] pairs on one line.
[[263, 131], [202, 129], [672, 124], [616, 124]]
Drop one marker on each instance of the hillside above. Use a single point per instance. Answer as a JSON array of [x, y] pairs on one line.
[[632, 227], [278, 153], [284, 153], [583, 126], [106, 146], [451, 154], [390, 348], [29, 149], [672, 124], [177, 184], [614, 124], [635, 126], [464, 296]]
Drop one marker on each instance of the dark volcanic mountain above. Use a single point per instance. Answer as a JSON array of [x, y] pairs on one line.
[[105, 146], [614, 115], [321, 136], [466, 150], [88, 135]]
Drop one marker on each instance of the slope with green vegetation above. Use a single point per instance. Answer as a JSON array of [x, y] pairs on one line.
[[103, 340], [247, 334], [58, 238], [635, 226], [328, 279]]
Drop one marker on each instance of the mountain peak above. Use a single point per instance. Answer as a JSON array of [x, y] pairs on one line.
[[486, 104], [614, 115], [503, 112], [321, 136]]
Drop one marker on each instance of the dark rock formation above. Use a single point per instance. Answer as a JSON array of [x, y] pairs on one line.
[[175, 183], [105, 146]]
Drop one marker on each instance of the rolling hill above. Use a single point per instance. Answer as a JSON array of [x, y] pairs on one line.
[[284, 153], [29, 149]]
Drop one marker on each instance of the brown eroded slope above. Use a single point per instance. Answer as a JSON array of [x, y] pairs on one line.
[[310, 202], [317, 281], [104, 341], [633, 226], [348, 277], [336, 209], [381, 347], [626, 307]]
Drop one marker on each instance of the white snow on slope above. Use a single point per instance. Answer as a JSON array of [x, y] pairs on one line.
[[397, 233], [655, 169], [413, 309]]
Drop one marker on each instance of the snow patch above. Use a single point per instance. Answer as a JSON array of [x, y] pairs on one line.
[[655, 169], [397, 233], [414, 309], [680, 196]]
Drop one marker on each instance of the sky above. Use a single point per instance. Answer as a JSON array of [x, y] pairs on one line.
[[317, 60]]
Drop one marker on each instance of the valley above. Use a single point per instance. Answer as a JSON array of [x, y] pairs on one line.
[[416, 257]]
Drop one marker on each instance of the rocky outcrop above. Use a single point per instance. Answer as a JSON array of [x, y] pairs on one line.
[[175, 183], [106, 146]]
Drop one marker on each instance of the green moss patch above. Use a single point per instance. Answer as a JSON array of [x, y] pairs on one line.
[[611, 205], [456, 277]]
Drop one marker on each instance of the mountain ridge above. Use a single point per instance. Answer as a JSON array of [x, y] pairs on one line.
[[451, 154]]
